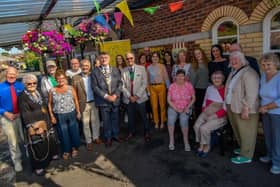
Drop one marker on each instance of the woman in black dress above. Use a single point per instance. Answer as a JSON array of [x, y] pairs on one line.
[[42, 147], [218, 62]]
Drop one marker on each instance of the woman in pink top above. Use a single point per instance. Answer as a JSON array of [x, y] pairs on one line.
[[181, 97], [213, 114]]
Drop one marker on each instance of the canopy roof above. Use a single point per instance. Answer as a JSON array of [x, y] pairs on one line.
[[19, 16]]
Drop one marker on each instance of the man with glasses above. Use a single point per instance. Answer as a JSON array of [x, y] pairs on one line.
[[9, 114], [134, 79], [75, 68], [107, 87]]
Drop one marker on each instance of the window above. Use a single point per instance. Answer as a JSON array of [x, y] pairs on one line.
[[271, 31], [225, 31]]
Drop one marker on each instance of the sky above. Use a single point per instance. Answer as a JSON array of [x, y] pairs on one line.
[[13, 50]]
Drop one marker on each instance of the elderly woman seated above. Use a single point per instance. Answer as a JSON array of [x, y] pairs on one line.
[[213, 115]]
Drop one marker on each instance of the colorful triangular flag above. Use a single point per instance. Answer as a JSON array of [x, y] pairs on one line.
[[97, 6], [118, 18], [101, 20], [151, 10], [176, 6], [125, 10]]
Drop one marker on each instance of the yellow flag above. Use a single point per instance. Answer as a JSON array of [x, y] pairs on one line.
[[125, 10]]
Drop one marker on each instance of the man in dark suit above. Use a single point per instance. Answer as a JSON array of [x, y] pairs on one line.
[[134, 78], [107, 86], [252, 61], [90, 116]]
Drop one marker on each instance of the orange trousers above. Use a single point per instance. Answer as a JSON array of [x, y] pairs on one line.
[[158, 96]]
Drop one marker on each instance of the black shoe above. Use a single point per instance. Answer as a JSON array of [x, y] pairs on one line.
[[108, 143], [130, 136], [117, 139], [147, 138]]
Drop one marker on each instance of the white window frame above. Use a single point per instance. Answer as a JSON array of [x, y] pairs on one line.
[[216, 26], [267, 31]]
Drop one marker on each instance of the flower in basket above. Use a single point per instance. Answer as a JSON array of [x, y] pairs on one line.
[[46, 41], [86, 31]]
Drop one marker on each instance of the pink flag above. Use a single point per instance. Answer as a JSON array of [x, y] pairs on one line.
[[118, 18]]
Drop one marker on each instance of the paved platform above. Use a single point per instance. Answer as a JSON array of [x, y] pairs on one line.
[[136, 163]]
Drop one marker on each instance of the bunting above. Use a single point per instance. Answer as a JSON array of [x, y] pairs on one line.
[[176, 6], [118, 18], [123, 7], [97, 6], [151, 10], [101, 20], [125, 10]]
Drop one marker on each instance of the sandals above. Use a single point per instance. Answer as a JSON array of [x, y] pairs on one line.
[[74, 153], [66, 156]]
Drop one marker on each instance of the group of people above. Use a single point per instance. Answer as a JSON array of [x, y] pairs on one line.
[[226, 90]]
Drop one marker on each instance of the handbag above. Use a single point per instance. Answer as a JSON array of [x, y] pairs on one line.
[[38, 133], [37, 128]]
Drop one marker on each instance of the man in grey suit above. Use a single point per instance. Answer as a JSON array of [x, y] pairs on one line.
[[107, 86], [134, 78]]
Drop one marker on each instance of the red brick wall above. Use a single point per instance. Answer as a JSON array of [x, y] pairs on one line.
[[164, 24]]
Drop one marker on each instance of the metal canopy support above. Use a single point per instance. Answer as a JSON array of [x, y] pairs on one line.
[[46, 10]]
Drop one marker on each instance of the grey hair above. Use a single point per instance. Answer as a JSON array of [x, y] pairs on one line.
[[271, 57], [130, 53], [28, 77], [241, 57]]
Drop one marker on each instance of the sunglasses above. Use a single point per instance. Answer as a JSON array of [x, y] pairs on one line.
[[130, 58], [31, 83]]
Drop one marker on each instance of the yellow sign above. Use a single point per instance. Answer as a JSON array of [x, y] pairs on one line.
[[114, 48]]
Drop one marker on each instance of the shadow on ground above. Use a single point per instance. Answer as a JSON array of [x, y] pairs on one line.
[[136, 163]]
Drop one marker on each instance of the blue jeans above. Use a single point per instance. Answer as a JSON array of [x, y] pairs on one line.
[[172, 116], [68, 131], [110, 117], [132, 109], [271, 129]]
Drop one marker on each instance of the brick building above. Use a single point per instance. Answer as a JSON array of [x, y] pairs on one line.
[[253, 23]]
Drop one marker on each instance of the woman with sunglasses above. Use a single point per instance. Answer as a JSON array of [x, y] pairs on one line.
[[64, 111], [42, 147]]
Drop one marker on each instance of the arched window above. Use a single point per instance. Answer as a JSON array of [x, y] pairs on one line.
[[225, 31], [271, 31]]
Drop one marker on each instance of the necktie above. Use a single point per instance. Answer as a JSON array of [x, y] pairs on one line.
[[131, 74], [14, 98]]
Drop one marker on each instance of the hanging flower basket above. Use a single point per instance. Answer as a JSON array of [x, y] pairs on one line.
[[51, 42], [86, 31]]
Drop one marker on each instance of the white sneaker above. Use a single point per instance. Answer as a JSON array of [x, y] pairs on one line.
[[171, 147], [18, 167], [187, 147], [265, 159], [125, 118]]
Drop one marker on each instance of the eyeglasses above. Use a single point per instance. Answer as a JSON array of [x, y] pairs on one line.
[[130, 58], [31, 83], [214, 77]]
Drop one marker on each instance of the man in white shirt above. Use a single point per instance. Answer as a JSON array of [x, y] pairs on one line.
[[75, 68]]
